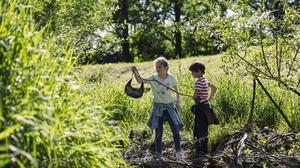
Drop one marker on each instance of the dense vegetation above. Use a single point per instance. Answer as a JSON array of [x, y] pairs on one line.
[[48, 118], [56, 112], [127, 30]]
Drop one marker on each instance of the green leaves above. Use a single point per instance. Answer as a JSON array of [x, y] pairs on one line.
[[46, 119], [9, 130], [262, 38]]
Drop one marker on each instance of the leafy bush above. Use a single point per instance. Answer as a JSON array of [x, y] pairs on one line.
[[48, 118]]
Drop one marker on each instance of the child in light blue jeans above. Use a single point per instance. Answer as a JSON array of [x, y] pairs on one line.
[[164, 108]]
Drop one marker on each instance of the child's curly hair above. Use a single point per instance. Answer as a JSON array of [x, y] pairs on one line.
[[197, 66]]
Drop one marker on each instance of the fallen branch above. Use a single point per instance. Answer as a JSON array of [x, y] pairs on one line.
[[241, 150]]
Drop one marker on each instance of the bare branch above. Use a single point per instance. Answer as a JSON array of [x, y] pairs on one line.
[[277, 56], [279, 80], [253, 66], [241, 149], [288, 87], [273, 101], [263, 50], [280, 61], [293, 60]]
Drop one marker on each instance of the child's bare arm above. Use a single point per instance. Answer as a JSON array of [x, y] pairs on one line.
[[177, 95], [195, 96], [178, 104], [213, 90], [137, 76]]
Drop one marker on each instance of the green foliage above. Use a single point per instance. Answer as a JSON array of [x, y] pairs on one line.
[[263, 40], [94, 28], [79, 24], [149, 42], [96, 77], [124, 108], [217, 133], [48, 118], [233, 97], [234, 100], [199, 28]]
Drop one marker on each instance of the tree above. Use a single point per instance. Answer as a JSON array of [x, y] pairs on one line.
[[262, 41], [265, 42], [152, 33], [163, 19], [198, 27], [77, 24], [177, 10], [121, 20]]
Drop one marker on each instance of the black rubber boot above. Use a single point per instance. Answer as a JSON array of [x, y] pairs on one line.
[[198, 147], [202, 147]]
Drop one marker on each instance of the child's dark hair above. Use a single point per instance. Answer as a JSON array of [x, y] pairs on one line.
[[197, 66]]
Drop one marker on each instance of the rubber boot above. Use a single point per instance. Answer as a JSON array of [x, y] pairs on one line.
[[201, 147]]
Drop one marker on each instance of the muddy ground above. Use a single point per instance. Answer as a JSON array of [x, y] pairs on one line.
[[262, 148]]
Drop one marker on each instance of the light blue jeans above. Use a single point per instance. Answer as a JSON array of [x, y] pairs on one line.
[[159, 132]]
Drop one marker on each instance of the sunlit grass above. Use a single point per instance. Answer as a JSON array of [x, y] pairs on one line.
[[48, 117]]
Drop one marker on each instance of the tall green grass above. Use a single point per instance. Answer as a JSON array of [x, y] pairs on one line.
[[48, 117]]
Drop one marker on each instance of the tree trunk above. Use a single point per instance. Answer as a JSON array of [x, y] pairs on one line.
[[177, 10], [125, 34]]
